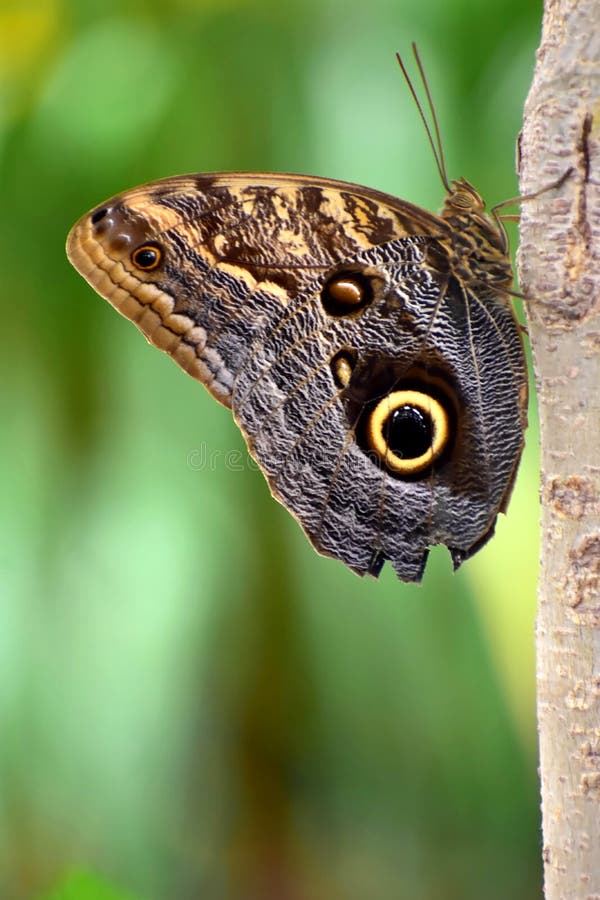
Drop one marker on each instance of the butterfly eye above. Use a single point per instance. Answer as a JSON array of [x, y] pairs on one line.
[[346, 292], [147, 257], [408, 430]]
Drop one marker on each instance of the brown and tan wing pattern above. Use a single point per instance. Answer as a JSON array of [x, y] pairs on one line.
[[306, 305]]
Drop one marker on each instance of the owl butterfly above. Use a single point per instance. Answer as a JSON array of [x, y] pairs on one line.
[[367, 348]]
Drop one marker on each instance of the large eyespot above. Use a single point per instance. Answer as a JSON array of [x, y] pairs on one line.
[[147, 257], [345, 293], [408, 430]]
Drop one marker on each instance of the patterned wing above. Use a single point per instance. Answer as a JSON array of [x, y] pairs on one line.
[[312, 308]]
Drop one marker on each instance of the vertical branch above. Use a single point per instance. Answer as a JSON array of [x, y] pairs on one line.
[[559, 261]]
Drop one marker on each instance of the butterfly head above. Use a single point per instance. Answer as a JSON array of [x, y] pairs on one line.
[[462, 198], [475, 233]]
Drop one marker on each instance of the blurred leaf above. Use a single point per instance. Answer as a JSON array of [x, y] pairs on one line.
[[25, 31], [107, 91], [81, 885]]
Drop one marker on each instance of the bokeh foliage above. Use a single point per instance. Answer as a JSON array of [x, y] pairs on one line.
[[192, 702]]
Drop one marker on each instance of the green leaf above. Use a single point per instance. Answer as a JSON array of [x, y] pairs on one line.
[[81, 885]]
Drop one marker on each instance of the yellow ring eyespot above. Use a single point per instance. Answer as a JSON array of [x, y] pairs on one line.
[[147, 257], [408, 430]]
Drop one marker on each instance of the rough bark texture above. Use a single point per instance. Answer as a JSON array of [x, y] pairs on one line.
[[559, 261]]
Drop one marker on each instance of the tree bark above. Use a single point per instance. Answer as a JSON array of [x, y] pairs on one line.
[[559, 265]]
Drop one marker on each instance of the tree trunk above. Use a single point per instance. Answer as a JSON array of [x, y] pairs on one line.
[[559, 263]]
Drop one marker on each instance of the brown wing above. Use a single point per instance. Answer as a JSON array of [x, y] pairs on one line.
[[239, 245], [229, 273]]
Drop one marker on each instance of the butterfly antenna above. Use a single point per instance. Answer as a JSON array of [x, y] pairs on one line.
[[436, 145]]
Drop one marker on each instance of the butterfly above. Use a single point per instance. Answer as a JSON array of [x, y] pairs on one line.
[[368, 348]]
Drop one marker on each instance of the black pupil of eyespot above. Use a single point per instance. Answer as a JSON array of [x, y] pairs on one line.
[[146, 257], [408, 432], [98, 215]]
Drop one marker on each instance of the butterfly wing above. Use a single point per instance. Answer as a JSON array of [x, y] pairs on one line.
[[303, 304]]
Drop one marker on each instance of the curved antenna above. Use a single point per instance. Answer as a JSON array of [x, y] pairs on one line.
[[436, 145]]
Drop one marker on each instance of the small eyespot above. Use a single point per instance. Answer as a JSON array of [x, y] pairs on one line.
[[147, 257], [346, 293], [408, 430], [342, 365], [98, 215]]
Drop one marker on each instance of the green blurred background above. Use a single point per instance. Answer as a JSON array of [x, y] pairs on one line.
[[192, 702]]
